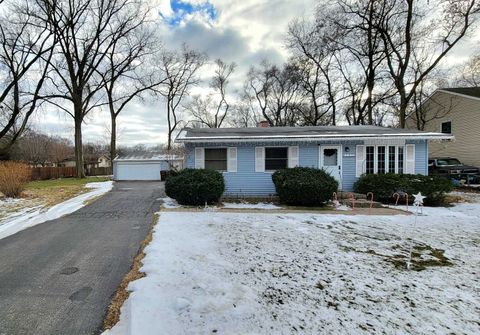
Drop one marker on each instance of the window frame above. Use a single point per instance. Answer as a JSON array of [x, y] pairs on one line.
[[215, 148], [441, 127], [265, 158], [386, 159]]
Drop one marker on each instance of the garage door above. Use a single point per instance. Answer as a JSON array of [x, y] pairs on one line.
[[136, 171]]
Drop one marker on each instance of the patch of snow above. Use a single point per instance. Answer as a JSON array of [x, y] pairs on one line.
[[169, 203], [246, 205], [259, 273], [30, 217]]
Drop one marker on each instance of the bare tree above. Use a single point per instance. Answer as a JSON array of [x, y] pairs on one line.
[[59, 149], [86, 31], [33, 148], [276, 93], [129, 72], [470, 73], [180, 69], [409, 28], [26, 47], [212, 109]]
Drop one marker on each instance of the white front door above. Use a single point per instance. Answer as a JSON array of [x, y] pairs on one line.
[[331, 161]]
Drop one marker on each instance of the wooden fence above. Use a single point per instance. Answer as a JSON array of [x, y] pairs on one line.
[[99, 171], [43, 173]]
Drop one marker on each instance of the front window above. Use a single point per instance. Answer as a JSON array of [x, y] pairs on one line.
[[370, 164], [382, 159], [447, 127], [216, 159], [391, 158], [276, 158], [448, 162]]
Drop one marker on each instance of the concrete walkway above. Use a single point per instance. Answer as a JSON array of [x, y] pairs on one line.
[[59, 277]]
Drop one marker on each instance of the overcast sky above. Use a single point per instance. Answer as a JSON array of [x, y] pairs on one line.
[[240, 31]]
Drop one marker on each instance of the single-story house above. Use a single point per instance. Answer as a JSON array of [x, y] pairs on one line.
[[145, 166], [453, 111], [247, 157]]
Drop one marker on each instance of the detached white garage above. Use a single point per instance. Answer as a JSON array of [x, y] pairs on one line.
[[144, 166]]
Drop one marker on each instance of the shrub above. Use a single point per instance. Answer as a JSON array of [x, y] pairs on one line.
[[13, 178], [385, 185], [304, 186], [195, 186]]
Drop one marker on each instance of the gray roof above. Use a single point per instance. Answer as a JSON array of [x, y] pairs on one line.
[[147, 156], [317, 132], [470, 91]]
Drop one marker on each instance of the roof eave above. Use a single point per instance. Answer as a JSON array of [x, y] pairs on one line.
[[312, 138]]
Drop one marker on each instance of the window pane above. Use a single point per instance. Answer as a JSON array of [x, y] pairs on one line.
[[216, 159], [330, 157], [276, 158], [400, 160], [381, 160], [215, 154], [276, 153], [447, 127], [391, 159], [370, 159]]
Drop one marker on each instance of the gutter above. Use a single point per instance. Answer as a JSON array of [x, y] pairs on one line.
[[313, 138]]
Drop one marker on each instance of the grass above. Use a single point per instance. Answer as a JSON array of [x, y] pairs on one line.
[[48, 193], [122, 293], [54, 191]]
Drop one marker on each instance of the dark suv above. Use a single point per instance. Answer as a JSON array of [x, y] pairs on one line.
[[454, 169]]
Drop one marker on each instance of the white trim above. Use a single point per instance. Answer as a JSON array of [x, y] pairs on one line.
[[455, 93], [339, 160], [259, 159], [232, 159], [409, 165], [293, 156], [314, 138], [199, 158], [451, 128], [360, 161]]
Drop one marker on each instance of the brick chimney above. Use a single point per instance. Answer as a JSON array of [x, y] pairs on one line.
[[263, 124]]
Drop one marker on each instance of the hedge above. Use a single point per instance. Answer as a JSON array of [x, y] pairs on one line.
[[195, 186], [385, 185], [304, 186]]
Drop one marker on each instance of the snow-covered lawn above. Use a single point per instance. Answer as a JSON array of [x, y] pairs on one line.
[[259, 273], [30, 216]]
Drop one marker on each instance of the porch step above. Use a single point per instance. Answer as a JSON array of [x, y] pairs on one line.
[[345, 195], [361, 203]]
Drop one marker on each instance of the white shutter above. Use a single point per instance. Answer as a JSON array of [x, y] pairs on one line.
[[199, 158], [232, 159], [410, 159], [360, 160], [292, 157], [259, 159]]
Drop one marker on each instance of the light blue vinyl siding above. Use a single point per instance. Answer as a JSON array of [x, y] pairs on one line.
[[247, 182], [421, 156]]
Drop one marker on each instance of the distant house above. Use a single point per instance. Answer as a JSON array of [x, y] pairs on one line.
[[247, 157], [453, 111], [91, 162]]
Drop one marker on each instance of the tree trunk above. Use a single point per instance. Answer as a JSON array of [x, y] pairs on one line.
[[78, 140], [402, 112], [113, 138]]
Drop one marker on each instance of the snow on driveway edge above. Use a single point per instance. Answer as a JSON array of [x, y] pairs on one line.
[[29, 218]]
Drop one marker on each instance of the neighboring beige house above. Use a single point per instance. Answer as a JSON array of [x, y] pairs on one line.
[[454, 111]]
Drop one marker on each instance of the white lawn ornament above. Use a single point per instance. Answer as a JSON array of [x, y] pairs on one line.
[[417, 203]]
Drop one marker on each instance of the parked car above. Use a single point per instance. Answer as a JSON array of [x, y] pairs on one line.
[[454, 169]]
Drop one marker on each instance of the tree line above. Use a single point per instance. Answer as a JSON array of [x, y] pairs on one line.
[[352, 61]]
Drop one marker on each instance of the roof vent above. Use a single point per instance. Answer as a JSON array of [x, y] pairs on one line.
[[263, 124]]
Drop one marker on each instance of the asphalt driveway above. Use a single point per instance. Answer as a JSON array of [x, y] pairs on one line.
[[58, 277]]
